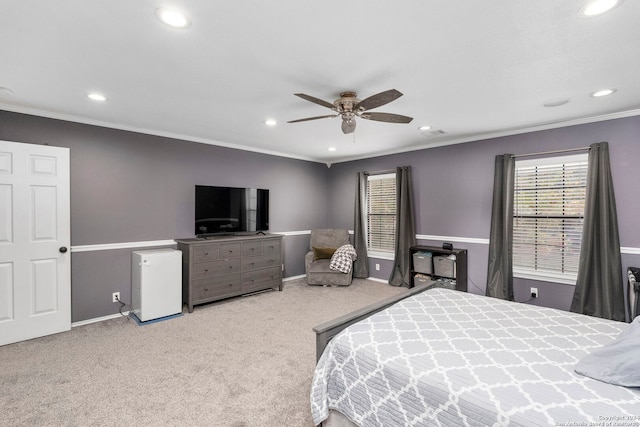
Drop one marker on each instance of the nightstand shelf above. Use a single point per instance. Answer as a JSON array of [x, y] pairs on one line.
[[439, 267]]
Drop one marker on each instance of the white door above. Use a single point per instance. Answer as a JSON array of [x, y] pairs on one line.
[[35, 283]]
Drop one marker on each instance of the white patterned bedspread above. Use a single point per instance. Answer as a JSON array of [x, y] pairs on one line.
[[448, 358]]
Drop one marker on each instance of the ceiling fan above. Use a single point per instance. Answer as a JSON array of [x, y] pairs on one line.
[[348, 107]]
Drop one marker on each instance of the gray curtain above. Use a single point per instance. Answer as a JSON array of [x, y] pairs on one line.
[[361, 266], [500, 271], [599, 286], [405, 228]]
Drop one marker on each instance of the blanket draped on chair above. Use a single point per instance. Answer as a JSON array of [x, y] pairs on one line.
[[343, 258]]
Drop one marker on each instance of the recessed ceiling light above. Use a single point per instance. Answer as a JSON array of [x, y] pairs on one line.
[[598, 7], [96, 97], [5, 91], [423, 128], [603, 92], [557, 102], [332, 148], [173, 18], [270, 122]]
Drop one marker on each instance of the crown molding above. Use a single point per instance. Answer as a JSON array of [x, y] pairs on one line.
[[427, 145], [153, 132]]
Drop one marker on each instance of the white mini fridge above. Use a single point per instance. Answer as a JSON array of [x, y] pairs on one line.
[[157, 283]]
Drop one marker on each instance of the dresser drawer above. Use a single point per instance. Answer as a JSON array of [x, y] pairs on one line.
[[216, 286], [252, 248], [261, 261], [271, 246], [230, 250], [205, 253], [262, 279], [215, 268]]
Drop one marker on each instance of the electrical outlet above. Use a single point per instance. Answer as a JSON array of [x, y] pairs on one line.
[[534, 292], [115, 297], [377, 267]]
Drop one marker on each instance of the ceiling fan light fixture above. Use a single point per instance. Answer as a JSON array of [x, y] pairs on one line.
[[331, 149], [423, 128], [173, 18], [348, 125], [598, 7], [270, 122]]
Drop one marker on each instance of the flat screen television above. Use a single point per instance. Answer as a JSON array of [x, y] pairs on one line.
[[230, 210]]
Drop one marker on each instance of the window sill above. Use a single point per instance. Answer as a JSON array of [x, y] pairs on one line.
[[381, 255], [565, 279]]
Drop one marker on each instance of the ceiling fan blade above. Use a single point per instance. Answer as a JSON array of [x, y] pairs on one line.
[[387, 117], [316, 100], [348, 126], [378, 100], [312, 118]]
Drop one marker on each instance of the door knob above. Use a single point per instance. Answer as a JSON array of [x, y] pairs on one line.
[[63, 249]]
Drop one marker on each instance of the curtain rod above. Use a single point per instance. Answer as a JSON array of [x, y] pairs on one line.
[[381, 172], [551, 152]]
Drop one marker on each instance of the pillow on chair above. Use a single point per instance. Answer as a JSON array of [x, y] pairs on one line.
[[322, 253]]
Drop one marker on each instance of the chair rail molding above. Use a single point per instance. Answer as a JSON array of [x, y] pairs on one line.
[[627, 250]]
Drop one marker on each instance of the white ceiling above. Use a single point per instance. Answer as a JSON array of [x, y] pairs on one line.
[[470, 68]]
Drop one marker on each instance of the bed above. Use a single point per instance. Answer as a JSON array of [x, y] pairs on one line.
[[447, 358]]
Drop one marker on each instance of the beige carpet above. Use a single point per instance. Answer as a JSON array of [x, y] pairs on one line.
[[246, 361]]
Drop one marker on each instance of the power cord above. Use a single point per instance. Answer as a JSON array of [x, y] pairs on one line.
[[122, 305], [483, 292]]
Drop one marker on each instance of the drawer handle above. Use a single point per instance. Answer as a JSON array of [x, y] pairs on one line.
[[231, 267], [230, 284], [206, 253], [206, 289], [206, 270]]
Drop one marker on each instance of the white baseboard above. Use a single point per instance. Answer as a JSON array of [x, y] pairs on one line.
[[304, 275], [375, 279], [126, 313], [99, 319]]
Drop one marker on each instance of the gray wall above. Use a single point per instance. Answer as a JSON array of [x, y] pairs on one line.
[[131, 187], [453, 190]]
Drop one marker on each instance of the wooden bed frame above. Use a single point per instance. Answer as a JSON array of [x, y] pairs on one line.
[[326, 331]]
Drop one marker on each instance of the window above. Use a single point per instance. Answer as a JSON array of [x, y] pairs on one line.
[[549, 196], [381, 212]]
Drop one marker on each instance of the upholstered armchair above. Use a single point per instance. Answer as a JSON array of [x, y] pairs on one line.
[[322, 245]]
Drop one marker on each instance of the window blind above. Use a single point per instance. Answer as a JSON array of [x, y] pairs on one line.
[[549, 196], [381, 212]]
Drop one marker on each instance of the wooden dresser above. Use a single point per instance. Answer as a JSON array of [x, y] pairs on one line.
[[228, 266]]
